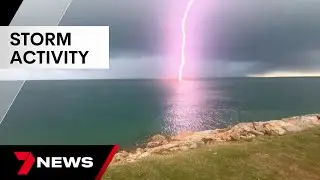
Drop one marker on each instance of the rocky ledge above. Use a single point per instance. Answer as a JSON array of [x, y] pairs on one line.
[[161, 144]]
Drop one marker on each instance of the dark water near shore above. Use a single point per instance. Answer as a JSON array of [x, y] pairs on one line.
[[129, 111]]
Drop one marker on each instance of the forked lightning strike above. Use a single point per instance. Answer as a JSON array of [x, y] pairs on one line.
[[184, 38]]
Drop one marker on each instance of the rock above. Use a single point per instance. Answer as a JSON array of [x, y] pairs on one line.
[[193, 145], [160, 151], [248, 129], [123, 153], [171, 145], [140, 156], [158, 137], [244, 126], [185, 141], [221, 130], [120, 156], [145, 154], [139, 151], [235, 136], [248, 136], [163, 149], [117, 158], [256, 133], [310, 121], [157, 140], [207, 140], [272, 129], [289, 127], [153, 144], [303, 122], [292, 128], [193, 136], [258, 126], [226, 136]]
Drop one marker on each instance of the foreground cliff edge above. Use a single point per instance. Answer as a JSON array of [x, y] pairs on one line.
[[164, 145]]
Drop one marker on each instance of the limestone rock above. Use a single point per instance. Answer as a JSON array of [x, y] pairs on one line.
[[247, 129], [153, 144], [248, 136], [235, 136], [163, 149], [123, 153], [221, 130], [258, 126], [160, 145], [120, 156], [272, 129], [139, 151], [158, 137], [145, 154]]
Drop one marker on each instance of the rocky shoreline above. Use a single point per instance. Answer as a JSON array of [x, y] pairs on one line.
[[161, 144]]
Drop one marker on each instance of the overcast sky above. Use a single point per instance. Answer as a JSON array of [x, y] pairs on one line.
[[233, 38]]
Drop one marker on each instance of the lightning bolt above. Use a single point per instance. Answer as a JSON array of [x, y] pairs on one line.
[[184, 38]]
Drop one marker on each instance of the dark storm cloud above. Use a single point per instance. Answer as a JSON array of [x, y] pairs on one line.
[[260, 35], [274, 35], [135, 26]]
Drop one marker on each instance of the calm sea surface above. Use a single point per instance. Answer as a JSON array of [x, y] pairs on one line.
[[127, 112]]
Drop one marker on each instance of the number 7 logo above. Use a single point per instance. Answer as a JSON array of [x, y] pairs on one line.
[[28, 159]]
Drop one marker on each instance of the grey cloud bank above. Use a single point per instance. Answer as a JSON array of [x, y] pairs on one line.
[[256, 36], [241, 37]]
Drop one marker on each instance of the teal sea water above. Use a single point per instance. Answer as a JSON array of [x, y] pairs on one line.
[[127, 112]]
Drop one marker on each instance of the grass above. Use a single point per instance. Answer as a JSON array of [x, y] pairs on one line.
[[290, 157]]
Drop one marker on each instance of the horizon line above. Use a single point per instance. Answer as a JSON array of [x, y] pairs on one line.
[[176, 79]]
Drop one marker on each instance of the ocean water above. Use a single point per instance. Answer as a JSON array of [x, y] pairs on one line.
[[127, 112]]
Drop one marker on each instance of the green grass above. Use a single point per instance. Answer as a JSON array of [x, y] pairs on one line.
[[290, 157]]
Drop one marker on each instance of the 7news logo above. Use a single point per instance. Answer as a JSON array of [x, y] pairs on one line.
[[51, 162]]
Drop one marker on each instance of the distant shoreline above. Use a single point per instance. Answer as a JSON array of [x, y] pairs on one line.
[[162, 144], [163, 79]]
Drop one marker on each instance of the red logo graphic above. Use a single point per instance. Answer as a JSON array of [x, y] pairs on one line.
[[28, 159]]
